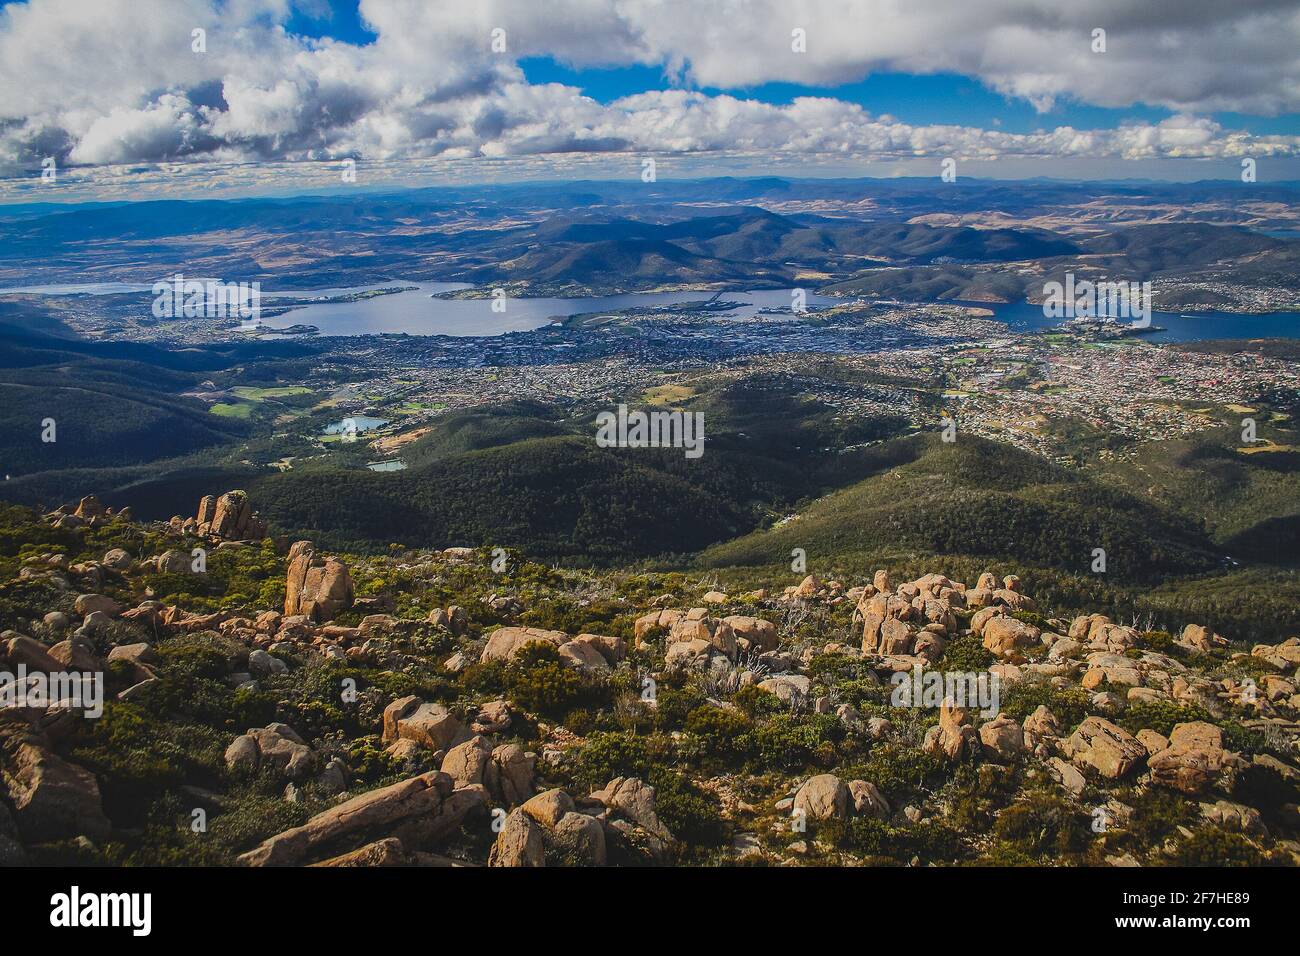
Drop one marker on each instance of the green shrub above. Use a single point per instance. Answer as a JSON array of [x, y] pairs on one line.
[[691, 815], [900, 768], [756, 702], [1160, 716], [1215, 846], [724, 733], [1043, 825], [673, 705], [538, 681], [608, 755], [1068, 705], [792, 742], [967, 653]]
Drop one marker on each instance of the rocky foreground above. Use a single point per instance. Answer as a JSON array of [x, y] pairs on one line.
[[267, 704]]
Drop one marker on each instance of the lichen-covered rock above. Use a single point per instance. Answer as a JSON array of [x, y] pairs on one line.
[[1107, 748]]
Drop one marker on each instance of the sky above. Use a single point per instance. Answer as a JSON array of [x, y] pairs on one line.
[[128, 98]]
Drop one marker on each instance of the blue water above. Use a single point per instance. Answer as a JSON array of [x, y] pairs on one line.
[[420, 312], [1179, 327]]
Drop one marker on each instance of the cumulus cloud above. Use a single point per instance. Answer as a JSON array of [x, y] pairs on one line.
[[117, 81]]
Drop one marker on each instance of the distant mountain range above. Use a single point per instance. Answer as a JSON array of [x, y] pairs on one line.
[[616, 236]]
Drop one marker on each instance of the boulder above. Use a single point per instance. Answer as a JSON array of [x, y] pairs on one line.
[[1006, 637], [1107, 748], [50, 798], [635, 800], [90, 603], [466, 763], [76, 654], [429, 724], [172, 562], [229, 517], [953, 738], [386, 852], [577, 840], [867, 800], [1152, 741], [1067, 775], [696, 625], [509, 775], [519, 844], [895, 638], [117, 559], [20, 649], [760, 634], [584, 656], [315, 586], [90, 507], [243, 755], [548, 807], [1042, 723], [1002, 737], [613, 649], [792, 689], [424, 806], [278, 746], [506, 642], [1195, 759], [823, 797], [1190, 770]]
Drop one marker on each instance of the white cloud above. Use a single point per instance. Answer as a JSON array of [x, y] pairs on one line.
[[116, 81]]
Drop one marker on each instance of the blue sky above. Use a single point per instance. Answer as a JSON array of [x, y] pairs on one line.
[[917, 98], [1005, 87]]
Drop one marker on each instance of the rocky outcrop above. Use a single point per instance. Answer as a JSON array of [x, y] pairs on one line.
[[589, 653], [954, 737], [229, 517], [418, 812], [316, 587], [50, 798], [1194, 760], [275, 745], [548, 830], [1110, 750], [752, 633], [1006, 637]]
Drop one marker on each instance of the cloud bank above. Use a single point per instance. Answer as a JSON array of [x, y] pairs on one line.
[[114, 83]]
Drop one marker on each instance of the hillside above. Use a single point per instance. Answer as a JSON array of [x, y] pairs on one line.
[[612, 719]]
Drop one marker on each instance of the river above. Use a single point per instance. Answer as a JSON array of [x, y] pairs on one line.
[[421, 312]]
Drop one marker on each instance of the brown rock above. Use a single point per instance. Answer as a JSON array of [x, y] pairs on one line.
[[1006, 637], [51, 799], [1107, 748], [316, 587], [548, 807], [505, 642], [760, 634], [429, 724], [519, 844], [382, 808]]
